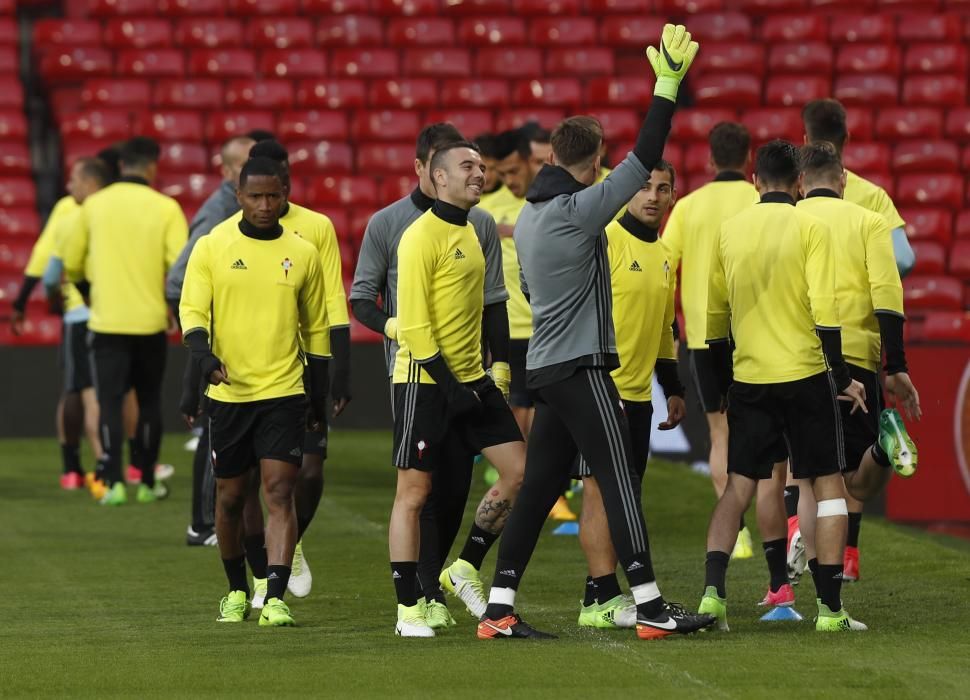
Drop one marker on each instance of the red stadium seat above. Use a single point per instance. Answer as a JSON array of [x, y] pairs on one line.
[[493, 94], [116, 93], [170, 126], [365, 63], [180, 157], [958, 123], [386, 125], [549, 92], [618, 92], [391, 190], [606, 7], [697, 158], [764, 7], [943, 190], [859, 122], [767, 124], [791, 90], [932, 292], [195, 8], [926, 156], [49, 33], [22, 223], [479, 7], [15, 160], [259, 94], [9, 33], [909, 122], [81, 148], [331, 93], [875, 90], [866, 156], [335, 7], [960, 259], [492, 31], [943, 90], [96, 124], [514, 118], [683, 7], [293, 63], [948, 326], [263, 7], [11, 92], [386, 157], [868, 58], [16, 192], [965, 159], [73, 64], [349, 31], [9, 60], [297, 189], [801, 58], [437, 63], [209, 33], [560, 31], [223, 125], [203, 94], [618, 124], [859, 28], [723, 90], [470, 123], [936, 58], [313, 125], [65, 99], [508, 62], [720, 26], [961, 227], [696, 124], [189, 187], [927, 26], [546, 7], [14, 255], [930, 258], [321, 156], [280, 33], [151, 63], [421, 31], [417, 93], [222, 63], [580, 62], [13, 126], [732, 58], [629, 30], [784, 28], [343, 190], [138, 33], [120, 8], [405, 7]]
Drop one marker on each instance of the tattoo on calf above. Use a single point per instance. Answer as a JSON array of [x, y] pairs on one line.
[[492, 514]]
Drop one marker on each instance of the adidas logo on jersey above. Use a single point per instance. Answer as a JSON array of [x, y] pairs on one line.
[[635, 267], [458, 254], [238, 265]]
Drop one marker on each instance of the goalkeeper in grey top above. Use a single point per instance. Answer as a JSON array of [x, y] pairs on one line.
[[561, 243]]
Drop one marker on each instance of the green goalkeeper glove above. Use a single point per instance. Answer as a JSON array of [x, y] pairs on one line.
[[501, 374], [671, 62], [390, 328]]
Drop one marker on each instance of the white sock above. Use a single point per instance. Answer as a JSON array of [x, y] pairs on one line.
[[502, 596], [645, 592]]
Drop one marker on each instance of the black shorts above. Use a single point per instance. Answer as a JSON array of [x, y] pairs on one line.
[[75, 358], [427, 438], [861, 429], [705, 380], [241, 434], [802, 416], [315, 441], [518, 394], [639, 416]]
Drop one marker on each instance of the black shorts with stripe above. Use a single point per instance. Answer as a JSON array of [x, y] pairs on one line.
[[705, 381], [518, 393], [861, 429], [639, 416], [427, 437], [242, 434], [800, 420], [75, 358]]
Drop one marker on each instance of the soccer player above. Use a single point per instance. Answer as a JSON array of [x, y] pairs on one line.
[[565, 273], [318, 229], [245, 275], [688, 236], [377, 276], [493, 183], [825, 120], [444, 403], [127, 236], [643, 284], [772, 289], [220, 205], [540, 146]]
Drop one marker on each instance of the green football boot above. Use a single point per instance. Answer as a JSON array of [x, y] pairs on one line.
[[234, 607], [896, 443], [713, 604]]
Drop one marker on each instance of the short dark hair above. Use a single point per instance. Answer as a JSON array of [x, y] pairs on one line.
[[777, 163], [96, 169], [512, 141], [441, 151], [730, 144], [139, 152], [433, 137], [258, 135], [271, 149], [486, 145], [821, 160], [110, 157], [260, 166], [576, 140], [825, 120], [534, 132], [667, 167]]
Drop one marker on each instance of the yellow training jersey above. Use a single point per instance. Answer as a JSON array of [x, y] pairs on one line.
[[866, 280], [126, 238], [254, 297], [872, 197], [505, 208], [318, 229], [62, 218], [440, 299], [689, 237], [772, 284], [643, 309]]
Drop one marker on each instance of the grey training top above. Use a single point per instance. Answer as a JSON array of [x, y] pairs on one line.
[[376, 274], [561, 243], [220, 205]]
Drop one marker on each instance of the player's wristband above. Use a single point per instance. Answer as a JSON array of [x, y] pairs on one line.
[[501, 374]]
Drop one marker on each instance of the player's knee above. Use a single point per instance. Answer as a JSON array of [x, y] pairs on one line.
[[278, 492], [231, 502]]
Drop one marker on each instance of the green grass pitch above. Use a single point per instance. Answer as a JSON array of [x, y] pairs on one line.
[[98, 602]]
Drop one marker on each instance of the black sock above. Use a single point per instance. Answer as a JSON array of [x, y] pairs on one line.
[[607, 587], [134, 452], [829, 579], [652, 608], [101, 469], [405, 574], [71, 459], [791, 501], [236, 573], [716, 571], [855, 523], [589, 592], [255, 546], [879, 454], [477, 545], [741, 525], [301, 525], [775, 555], [277, 578], [813, 570]]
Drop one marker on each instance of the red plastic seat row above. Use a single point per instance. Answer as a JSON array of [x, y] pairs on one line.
[[947, 326], [21, 222], [932, 292], [16, 192]]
